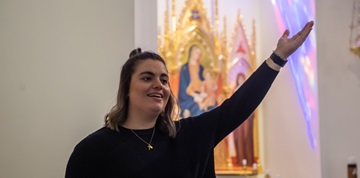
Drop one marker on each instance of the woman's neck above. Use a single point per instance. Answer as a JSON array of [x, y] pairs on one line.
[[139, 121]]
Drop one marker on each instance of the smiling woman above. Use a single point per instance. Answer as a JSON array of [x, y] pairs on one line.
[[140, 137], [143, 77], [148, 94]]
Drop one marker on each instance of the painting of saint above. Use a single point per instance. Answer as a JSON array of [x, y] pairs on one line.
[[195, 92], [243, 135]]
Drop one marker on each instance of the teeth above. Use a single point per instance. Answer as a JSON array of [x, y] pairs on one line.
[[155, 95]]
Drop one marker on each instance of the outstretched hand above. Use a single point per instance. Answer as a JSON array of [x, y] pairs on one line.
[[286, 46]]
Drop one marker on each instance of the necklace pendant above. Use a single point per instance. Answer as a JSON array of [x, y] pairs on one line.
[[148, 144]]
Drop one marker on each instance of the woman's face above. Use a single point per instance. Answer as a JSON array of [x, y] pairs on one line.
[[149, 87], [195, 54]]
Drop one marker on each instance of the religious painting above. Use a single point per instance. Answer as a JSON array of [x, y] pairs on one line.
[[197, 82], [204, 71], [241, 145]]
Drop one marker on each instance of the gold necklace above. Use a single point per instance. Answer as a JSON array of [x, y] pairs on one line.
[[149, 146]]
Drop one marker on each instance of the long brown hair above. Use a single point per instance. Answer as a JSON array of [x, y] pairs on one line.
[[118, 113]]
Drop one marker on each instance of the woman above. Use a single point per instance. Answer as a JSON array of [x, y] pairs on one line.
[[140, 139]]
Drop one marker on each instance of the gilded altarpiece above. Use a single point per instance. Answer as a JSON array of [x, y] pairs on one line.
[[205, 70]]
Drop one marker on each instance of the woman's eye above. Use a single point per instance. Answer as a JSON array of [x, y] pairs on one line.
[[146, 78], [165, 81]]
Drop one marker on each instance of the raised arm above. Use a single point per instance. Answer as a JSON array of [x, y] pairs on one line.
[[244, 101]]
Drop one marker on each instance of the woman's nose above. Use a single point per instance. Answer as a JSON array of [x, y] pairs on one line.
[[157, 84]]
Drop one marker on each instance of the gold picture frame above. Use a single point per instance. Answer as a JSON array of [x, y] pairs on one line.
[[204, 72]]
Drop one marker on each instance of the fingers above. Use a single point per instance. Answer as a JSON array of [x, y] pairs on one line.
[[307, 29], [310, 24], [304, 33]]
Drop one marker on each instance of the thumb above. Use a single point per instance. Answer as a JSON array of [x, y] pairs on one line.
[[285, 34]]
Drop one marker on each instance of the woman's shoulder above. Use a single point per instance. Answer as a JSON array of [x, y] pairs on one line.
[[100, 136], [91, 147], [101, 132]]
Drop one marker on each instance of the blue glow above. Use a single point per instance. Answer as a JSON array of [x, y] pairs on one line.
[[293, 15]]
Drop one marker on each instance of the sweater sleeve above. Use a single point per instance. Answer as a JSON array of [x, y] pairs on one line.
[[235, 110]]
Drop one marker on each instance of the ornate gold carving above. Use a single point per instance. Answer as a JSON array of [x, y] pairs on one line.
[[194, 28]]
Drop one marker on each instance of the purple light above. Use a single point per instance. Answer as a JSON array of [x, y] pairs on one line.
[[293, 15]]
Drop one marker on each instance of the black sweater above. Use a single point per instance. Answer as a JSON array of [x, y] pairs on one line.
[[107, 153]]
